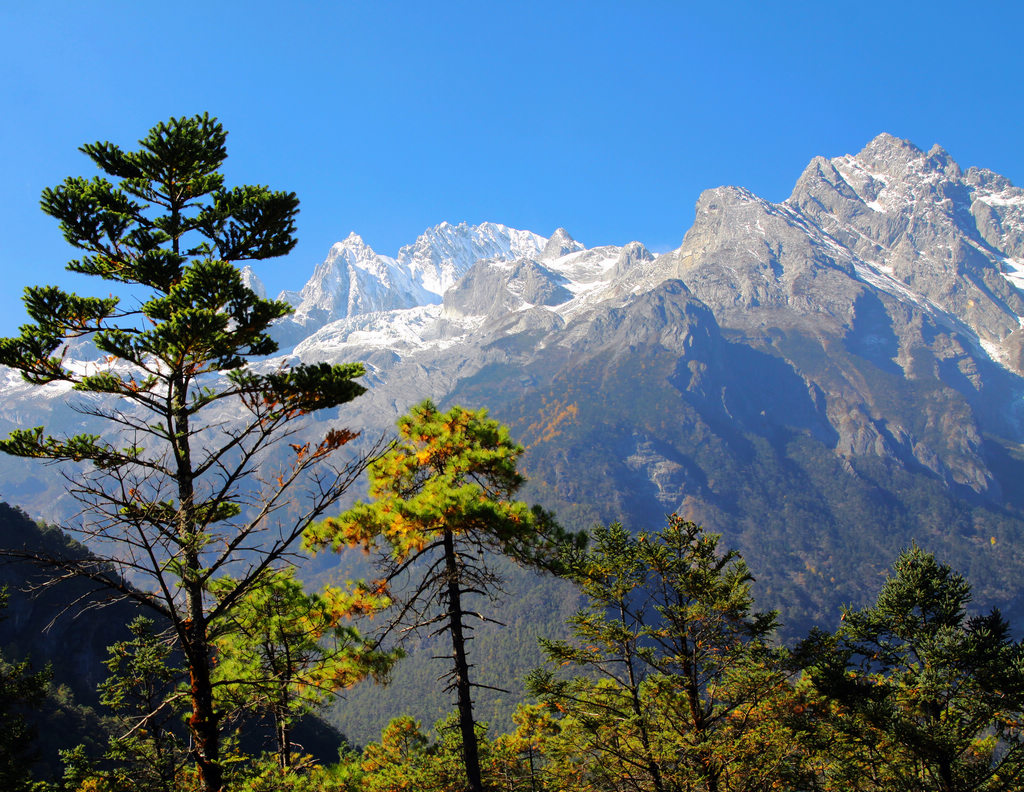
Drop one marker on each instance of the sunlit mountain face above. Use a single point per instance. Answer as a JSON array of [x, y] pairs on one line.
[[823, 380]]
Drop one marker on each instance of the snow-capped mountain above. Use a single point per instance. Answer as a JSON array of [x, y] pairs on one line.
[[906, 223], [822, 379], [355, 280]]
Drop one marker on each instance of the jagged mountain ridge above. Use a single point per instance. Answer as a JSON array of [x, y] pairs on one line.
[[844, 257], [823, 380], [873, 317], [355, 280]]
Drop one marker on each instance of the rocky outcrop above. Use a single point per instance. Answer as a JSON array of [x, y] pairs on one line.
[[853, 350], [493, 288]]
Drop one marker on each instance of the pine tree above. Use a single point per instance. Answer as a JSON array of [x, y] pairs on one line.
[[443, 509], [175, 485], [928, 698], [678, 669], [140, 689], [285, 652]]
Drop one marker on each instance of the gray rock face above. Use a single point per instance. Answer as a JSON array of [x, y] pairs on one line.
[[916, 218], [668, 317], [889, 264], [492, 288], [560, 244], [793, 371], [756, 262]]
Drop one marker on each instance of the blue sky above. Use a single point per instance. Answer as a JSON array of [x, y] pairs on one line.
[[390, 117]]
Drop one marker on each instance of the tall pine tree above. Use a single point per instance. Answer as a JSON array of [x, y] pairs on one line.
[[174, 491], [678, 669], [443, 509]]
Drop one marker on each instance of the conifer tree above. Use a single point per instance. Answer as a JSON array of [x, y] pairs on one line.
[[285, 651], [442, 507], [928, 697], [175, 490], [678, 669], [140, 689]]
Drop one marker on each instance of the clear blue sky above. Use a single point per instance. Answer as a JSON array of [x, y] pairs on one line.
[[390, 117]]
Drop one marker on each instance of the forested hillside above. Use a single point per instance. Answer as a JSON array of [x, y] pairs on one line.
[[669, 678]]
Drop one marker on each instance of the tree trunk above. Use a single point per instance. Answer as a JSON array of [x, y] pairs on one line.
[[470, 750], [641, 720], [203, 720], [284, 737], [196, 643]]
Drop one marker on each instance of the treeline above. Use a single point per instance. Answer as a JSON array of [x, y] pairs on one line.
[[671, 681]]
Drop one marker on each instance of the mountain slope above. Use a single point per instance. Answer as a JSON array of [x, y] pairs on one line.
[[823, 380]]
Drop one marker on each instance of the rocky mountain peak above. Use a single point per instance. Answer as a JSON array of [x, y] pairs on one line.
[[938, 159], [913, 225], [353, 243], [989, 180], [892, 165], [560, 244], [632, 255], [889, 155], [443, 254], [252, 281], [716, 199]]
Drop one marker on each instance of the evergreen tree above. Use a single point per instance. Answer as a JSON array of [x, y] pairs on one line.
[[928, 698], [442, 506], [173, 485], [404, 758], [141, 690], [285, 652], [680, 680]]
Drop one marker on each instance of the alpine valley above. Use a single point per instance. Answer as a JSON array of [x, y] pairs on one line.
[[824, 381]]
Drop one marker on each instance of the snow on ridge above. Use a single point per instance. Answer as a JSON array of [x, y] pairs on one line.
[[385, 329], [583, 267], [1012, 197], [872, 186], [354, 280], [1013, 271], [403, 331], [443, 254], [996, 352], [251, 280], [587, 275]]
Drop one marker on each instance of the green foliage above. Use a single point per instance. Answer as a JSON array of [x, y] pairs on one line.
[[286, 652], [680, 678], [144, 750], [172, 493], [449, 473], [406, 758], [142, 691], [442, 505], [928, 698], [267, 775]]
